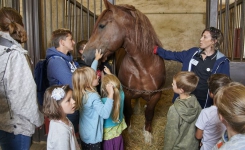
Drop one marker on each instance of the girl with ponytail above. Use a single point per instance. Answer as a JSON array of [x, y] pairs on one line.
[[115, 124], [11, 22], [19, 111]]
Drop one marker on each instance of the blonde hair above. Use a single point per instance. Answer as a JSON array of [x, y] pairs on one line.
[[230, 101], [51, 107], [82, 80], [112, 79], [11, 21], [186, 80]]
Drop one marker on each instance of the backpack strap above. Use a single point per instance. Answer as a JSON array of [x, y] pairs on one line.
[[53, 57]]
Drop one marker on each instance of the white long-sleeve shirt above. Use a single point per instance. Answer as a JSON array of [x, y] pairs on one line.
[[61, 136]]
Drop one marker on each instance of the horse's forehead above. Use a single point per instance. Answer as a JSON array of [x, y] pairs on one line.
[[116, 14]]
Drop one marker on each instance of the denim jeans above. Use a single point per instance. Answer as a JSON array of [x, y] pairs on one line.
[[9, 141]]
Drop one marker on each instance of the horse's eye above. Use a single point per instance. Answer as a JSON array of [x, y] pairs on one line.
[[101, 26]]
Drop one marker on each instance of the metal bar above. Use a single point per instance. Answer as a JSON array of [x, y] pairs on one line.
[[28, 25], [24, 18], [82, 7], [75, 19], [69, 15], [94, 12], [88, 19], [100, 6], [207, 13], [4, 3], [75, 26], [45, 27], [51, 25], [242, 34], [220, 15], [213, 13], [226, 40], [152, 13], [63, 14], [82, 19], [231, 6], [234, 30], [16, 5], [57, 16], [36, 33], [72, 19]]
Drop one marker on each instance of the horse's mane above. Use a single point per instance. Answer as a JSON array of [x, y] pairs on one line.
[[146, 37]]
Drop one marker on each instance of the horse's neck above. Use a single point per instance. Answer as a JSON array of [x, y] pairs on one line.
[[137, 57], [135, 53]]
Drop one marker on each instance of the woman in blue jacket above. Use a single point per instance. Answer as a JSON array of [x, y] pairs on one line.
[[203, 61], [61, 65]]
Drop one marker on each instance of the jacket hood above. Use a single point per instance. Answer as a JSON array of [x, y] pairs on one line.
[[52, 51], [16, 46], [188, 109], [219, 54]]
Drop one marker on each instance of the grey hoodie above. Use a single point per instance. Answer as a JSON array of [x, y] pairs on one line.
[[180, 129], [19, 112]]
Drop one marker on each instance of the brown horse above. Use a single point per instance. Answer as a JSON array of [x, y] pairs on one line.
[[142, 74]]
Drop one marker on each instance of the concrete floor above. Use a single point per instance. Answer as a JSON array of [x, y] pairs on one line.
[[38, 146]]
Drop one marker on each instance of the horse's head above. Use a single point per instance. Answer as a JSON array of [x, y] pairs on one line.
[[109, 32]]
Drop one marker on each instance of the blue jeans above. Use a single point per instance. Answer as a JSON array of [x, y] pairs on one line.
[[9, 141]]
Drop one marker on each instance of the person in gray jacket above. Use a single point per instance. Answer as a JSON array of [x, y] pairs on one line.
[[182, 115], [19, 113]]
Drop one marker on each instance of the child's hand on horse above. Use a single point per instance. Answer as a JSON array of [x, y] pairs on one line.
[[107, 70], [98, 54]]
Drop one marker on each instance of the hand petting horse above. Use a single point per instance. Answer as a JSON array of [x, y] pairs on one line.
[[141, 73]]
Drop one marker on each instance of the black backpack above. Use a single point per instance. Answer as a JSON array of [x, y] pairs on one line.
[[41, 79]]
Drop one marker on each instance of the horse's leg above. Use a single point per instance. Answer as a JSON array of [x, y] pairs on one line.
[[149, 114], [137, 107], [127, 109]]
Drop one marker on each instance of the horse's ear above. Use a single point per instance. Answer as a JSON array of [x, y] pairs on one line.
[[108, 5]]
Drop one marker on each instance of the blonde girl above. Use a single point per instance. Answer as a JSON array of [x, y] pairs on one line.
[[114, 125], [230, 101], [92, 110], [58, 102]]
